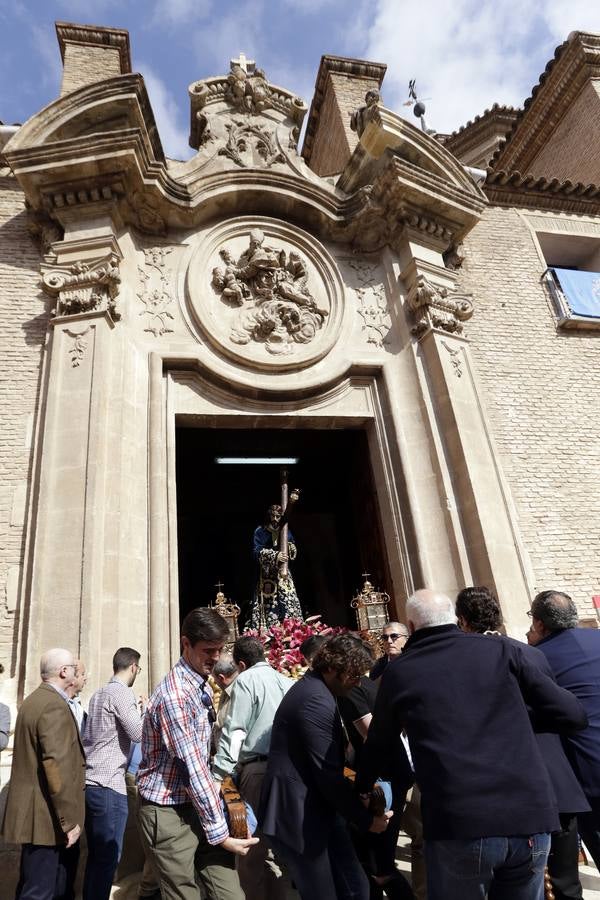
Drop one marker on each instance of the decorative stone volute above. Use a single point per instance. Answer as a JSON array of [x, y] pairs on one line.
[[437, 307], [84, 286]]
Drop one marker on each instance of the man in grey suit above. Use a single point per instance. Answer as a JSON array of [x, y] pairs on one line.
[[45, 806]]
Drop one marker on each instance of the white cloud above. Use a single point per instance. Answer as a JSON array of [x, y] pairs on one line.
[[173, 135], [181, 12], [241, 30], [465, 54]]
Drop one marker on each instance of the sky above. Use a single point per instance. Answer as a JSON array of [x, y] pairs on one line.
[[464, 54]]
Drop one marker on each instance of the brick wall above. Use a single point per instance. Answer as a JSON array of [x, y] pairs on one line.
[[541, 390], [573, 151], [86, 64], [22, 333], [335, 140]]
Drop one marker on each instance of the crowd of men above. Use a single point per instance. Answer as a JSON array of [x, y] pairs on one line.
[[485, 750]]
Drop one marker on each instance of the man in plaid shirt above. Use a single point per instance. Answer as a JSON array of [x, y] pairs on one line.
[[181, 813]]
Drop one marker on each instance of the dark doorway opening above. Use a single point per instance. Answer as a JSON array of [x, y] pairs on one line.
[[336, 523]]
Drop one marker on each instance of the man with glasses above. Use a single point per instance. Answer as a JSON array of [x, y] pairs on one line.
[[181, 815], [114, 722], [45, 806], [393, 638]]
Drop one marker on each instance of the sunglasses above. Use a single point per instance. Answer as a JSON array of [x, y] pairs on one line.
[[208, 705], [393, 637]]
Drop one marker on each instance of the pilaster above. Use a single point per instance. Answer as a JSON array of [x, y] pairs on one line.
[[484, 520], [64, 606]]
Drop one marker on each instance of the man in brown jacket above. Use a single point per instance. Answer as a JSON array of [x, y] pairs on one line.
[[45, 806]]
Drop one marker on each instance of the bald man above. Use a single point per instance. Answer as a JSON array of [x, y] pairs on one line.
[[45, 807], [487, 802]]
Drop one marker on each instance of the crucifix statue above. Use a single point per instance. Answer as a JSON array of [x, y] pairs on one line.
[[275, 597]]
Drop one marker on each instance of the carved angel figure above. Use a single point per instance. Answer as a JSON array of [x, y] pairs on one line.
[[272, 287]]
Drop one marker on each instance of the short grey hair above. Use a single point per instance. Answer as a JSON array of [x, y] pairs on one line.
[[395, 625], [555, 610], [225, 665], [426, 608], [53, 660]]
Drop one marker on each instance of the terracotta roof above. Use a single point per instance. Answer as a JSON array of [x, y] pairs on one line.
[[576, 60], [515, 189], [493, 111]]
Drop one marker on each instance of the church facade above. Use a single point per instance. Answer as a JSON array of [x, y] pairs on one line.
[[413, 314]]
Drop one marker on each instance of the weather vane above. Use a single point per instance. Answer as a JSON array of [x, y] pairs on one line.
[[418, 106]]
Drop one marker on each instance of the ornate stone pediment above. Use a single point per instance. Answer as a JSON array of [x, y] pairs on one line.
[[265, 293]]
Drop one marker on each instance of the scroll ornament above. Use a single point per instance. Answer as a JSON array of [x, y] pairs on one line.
[[437, 307], [85, 287], [270, 287]]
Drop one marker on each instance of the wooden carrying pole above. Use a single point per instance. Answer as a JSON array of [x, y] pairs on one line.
[[283, 535]]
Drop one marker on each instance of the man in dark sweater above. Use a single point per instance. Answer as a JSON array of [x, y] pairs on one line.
[[478, 612], [487, 802], [574, 657]]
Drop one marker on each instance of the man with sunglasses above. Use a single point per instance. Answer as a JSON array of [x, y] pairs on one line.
[[181, 815], [574, 657], [393, 638]]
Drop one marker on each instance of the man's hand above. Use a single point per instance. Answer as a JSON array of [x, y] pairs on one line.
[[282, 557], [142, 702], [239, 846], [380, 823], [73, 835]]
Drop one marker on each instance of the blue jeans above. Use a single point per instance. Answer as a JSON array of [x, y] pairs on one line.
[[502, 868], [105, 819], [335, 873]]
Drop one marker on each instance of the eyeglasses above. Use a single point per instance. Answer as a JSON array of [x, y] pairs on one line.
[[208, 705], [530, 614], [393, 637]]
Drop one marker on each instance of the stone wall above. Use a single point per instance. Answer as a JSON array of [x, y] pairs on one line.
[[540, 389], [22, 337]]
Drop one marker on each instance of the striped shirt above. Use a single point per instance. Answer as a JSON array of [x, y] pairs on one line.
[[175, 750], [113, 722]]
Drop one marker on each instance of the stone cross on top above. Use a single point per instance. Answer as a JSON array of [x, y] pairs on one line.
[[248, 65]]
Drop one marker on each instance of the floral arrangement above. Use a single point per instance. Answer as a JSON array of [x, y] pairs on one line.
[[282, 642]]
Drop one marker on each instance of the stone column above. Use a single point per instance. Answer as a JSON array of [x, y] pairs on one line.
[[483, 515], [65, 601]]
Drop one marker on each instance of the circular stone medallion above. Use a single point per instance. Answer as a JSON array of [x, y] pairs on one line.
[[265, 293]]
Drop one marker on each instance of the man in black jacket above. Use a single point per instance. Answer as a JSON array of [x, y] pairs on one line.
[[487, 802], [478, 612], [305, 799]]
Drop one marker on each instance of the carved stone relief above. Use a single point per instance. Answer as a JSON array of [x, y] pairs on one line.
[[271, 287], [84, 287], [436, 307], [78, 345], [156, 295], [251, 145], [454, 358], [373, 307], [265, 293]]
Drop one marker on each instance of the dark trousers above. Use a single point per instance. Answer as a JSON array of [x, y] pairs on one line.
[[589, 829], [563, 861], [335, 873], [47, 873]]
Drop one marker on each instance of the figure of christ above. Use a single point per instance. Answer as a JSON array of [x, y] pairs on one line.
[[275, 596]]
